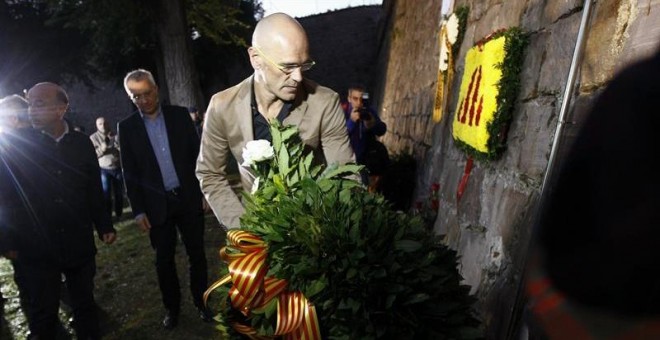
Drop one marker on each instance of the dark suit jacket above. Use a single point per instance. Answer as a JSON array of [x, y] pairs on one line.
[[142, 176], [50, 197]]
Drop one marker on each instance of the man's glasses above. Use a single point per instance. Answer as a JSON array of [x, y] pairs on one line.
[[287, 68], [136, 97]]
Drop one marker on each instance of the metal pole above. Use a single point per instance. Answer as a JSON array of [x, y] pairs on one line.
[[517, 329], [568, 91]]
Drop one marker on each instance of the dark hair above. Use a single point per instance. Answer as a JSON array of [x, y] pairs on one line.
[[357, 87]]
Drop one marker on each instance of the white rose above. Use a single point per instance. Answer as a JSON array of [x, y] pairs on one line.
[[257, 151], [452, 28]]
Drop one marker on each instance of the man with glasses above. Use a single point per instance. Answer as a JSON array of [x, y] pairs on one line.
[[276, 90], [51, 201], [158, 147]]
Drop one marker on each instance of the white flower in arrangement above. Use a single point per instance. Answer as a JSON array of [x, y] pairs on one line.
[[452, 28], [449, 31], [257, 151]]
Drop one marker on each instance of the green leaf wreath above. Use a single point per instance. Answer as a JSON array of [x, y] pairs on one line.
[[371, 272]]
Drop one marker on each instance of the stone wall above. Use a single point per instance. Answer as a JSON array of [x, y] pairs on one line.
[[490, 226], [344, 45]]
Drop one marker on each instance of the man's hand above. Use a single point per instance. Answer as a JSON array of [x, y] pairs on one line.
[[355, 115], [369, 122], [143, 222], [109, 238]]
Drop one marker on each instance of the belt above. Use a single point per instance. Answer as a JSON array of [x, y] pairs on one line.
[[174, 192]]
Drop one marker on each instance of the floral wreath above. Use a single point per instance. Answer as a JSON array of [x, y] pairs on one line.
[[318, 256]]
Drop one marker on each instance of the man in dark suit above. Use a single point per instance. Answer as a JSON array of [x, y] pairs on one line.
[[158, 149], [50, 202]]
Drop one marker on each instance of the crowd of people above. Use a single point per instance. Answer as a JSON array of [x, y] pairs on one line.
[[59, 185]]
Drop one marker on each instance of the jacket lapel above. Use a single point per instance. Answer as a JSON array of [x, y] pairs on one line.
[[243, 112]]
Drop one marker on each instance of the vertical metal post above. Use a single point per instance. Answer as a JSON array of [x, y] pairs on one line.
[[568, 91], [517, 329]]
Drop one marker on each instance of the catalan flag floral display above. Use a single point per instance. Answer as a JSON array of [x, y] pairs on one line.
[[488, 92], [318, 256], [452, 30]]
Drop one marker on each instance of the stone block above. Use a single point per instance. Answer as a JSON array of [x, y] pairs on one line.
[[607, 33], [531, 136], [535, 54], [558, 54], [556, 9]]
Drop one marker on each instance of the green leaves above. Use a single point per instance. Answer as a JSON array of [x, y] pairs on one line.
[[371, 272]]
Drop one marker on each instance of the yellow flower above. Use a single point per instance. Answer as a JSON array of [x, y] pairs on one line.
[[477, 102]]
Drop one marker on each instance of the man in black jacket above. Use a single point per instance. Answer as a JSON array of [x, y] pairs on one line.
[[50, 198], [158, 147]]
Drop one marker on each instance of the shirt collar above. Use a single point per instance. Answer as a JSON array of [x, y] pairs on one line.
[[284, 112], [58, 139], [159, 112]]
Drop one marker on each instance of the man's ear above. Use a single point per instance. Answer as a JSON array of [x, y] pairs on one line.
[[62, 110], [252, 53]]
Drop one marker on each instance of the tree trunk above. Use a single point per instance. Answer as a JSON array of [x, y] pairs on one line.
[[179, 71]]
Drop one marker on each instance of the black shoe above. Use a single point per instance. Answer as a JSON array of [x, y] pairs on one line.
[[204, 314], [171, 320]]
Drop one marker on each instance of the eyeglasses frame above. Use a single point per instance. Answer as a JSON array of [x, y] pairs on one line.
[[287, 69]]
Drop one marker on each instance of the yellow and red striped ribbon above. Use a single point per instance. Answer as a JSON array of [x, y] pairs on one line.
[[246, 256]]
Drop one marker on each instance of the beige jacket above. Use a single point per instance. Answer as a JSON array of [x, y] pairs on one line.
[[107, 153], [228, 127]]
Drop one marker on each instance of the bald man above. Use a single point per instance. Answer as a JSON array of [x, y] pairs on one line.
[[276, 90], [51, 199]]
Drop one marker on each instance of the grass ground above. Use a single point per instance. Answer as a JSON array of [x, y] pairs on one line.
[[127, 290]]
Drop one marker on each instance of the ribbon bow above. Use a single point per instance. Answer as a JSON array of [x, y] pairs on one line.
[[251, 290]]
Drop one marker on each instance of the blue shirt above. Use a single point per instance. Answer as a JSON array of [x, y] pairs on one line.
[[160, 143]]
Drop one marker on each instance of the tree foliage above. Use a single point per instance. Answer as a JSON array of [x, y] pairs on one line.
[[121, 31], [31, 51], [106, 38]]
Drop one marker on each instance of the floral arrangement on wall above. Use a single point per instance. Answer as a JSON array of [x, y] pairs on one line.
[[452, 30], [488, 92]]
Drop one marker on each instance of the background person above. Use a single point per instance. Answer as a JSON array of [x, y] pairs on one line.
[[276, 90], [13, 116], [13, 113], [197, 119], [364, 126], [107, 150], [50, 194], [158, 147]]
